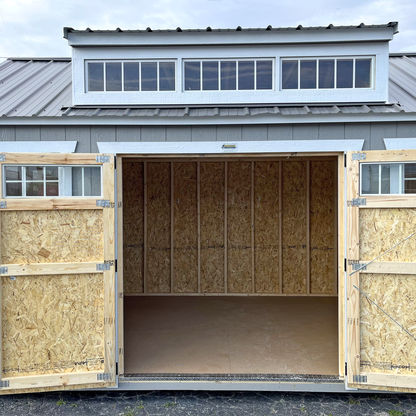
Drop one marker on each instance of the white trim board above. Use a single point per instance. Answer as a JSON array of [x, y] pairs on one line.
[[185, 148], [400, 144], [38, 147]]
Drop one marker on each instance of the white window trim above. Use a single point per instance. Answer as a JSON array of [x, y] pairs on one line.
[[64, 182], [336, 58], [122, 61]]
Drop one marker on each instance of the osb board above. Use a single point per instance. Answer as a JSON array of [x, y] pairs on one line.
[[385, 347], [158, 231], [52, 324], [212, 176], [266, 226], [382, 228], [294, 227], [185, 228], [322, 226], [51, 236], [133, 230], [239, 227]]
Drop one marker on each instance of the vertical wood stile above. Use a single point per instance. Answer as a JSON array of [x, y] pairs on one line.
[[145, 228], [252, 230], [225, 227], [172, 253], [198, 199], [308, 227], [280, 228]]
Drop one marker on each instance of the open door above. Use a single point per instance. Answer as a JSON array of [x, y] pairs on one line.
[[57, 272], [381, 270]]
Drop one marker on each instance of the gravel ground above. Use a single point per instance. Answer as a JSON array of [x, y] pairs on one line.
[[207, 403]]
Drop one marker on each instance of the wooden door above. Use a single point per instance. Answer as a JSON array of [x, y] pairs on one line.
[[57, 272], [381, 270]]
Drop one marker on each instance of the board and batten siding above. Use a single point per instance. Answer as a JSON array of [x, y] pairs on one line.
[[88, 136]]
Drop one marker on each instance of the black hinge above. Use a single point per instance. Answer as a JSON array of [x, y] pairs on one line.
[[346, 369], [115, 162], [115, 265], [345, 160], [116, 369], [345, 265]]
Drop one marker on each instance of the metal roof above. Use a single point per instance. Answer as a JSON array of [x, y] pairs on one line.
[[237, 29], [42, 87]]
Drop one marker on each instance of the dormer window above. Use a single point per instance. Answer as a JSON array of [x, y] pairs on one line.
[[326, 73], [131, 76]]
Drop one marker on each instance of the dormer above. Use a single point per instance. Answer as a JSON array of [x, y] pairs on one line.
[[333, 64]]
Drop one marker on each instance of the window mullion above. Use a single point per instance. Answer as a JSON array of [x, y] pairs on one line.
[[24, 181], [353, 73], [298, 74], [82, 182]]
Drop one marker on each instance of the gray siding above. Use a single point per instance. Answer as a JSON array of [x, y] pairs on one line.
[[88, 136]]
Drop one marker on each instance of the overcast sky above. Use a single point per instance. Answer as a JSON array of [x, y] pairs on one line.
[[33, 28]]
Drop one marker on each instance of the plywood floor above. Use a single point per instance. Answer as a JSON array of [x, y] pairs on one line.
[[231, 335]]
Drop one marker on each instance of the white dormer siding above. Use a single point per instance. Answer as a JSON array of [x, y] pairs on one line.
[[251, 47]]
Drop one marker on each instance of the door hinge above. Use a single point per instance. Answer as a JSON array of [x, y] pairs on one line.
[[359, 156], [345, 265], [105, 203], [2, 157], [115, 265], [103, 376], [356, 202], [3, 204], [359, 379], [102, 159], [4, 383], [346, 369], [116, 369], [4, 270], [345, 160]]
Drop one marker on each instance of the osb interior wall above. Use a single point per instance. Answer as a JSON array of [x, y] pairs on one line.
[[233, 214], [52, 324]]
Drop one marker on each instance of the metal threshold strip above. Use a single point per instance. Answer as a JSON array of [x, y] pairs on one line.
[[283, 378]]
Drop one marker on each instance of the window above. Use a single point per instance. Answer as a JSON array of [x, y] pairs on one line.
[[51, 181], [388, 178], [326, 73], [228, 75], [131, 76]]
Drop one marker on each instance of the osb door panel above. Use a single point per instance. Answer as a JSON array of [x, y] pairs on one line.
[[381, 281], [57, 286]]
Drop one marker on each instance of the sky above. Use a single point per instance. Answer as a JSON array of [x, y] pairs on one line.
[[33, 28]]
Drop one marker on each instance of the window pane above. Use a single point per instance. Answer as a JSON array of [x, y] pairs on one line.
[[246, 75], [113, 76], [34, 173], [51, 173], [289, 75], [410, 187], [131, 76], [410, 170], [13, 173], [385, 179], [95, 76], [34, 189], [307, 74], [14, 189], [167, 76], [92, 182], [52, 189], [149, 76], [264, 74], [370, 179], [326, 73], [192, 76], [362, 73], [228, 76], [344, 73], [210, 75], [76, 181]]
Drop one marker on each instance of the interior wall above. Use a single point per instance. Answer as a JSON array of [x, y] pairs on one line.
[[237, 227]]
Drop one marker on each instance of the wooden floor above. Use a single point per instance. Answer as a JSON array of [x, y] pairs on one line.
[[237, 335]]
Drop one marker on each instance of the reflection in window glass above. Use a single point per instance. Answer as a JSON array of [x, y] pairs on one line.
[[34, 173], [246, 75], [131, 76], [344, 73], [228, 75], [13, 173], [210, 75], [192, 76], [51, 173], [95, 76], [289, 75], [410, 171], [385, 179], [113, 76], [264, 75], [52, 189], [410, 187], [307, 74], [76, 181], [370, 179], [166, 76], [14, 189], [34, 189], [362, 73], [92, 181], [149, 76], [326, 73]]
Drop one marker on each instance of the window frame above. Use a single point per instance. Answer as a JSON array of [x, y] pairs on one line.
[[123, 61], [326, 58], [236, 60], [63, 184]]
